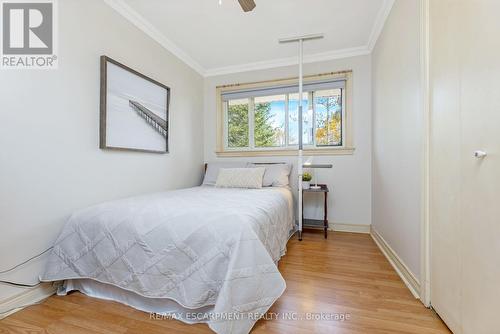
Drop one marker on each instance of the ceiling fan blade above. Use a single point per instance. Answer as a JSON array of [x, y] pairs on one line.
[[247, 5]]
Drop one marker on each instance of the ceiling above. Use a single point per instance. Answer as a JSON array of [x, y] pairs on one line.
[[218, 39]]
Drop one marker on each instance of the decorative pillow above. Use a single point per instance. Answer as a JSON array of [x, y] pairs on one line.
[[276, 175], [240, 178], [214, 167]]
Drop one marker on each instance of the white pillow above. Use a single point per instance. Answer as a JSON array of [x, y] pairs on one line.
[[276, 175], [214, 167], [240, 178]]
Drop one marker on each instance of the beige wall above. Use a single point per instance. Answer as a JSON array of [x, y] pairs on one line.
[[350, 178], [398, 133], [50, 164]]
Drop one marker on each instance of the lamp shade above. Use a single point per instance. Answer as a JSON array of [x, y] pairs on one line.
[[317, 166]]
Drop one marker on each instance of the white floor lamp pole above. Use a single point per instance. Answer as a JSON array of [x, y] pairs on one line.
[[300, 162]]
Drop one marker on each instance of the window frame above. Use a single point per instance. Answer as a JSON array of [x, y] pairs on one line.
[[346, 148]]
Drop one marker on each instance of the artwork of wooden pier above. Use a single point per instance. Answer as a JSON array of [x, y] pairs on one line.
[[158, 123]]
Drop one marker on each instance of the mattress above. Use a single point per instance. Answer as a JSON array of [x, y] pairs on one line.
[[207, 249]]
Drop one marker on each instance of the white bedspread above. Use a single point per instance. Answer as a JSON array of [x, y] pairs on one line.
[[199, 246]]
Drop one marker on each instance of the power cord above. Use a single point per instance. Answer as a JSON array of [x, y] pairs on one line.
[[24, 262], [23, 285]]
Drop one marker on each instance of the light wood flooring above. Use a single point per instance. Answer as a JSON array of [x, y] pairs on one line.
[[344, 275]]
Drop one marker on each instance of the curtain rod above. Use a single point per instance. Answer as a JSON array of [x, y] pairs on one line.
[[285, 79]]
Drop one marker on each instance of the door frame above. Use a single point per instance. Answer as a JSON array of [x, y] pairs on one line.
[[425, 247]]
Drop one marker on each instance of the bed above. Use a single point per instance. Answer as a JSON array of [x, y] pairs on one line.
[[201, 254]]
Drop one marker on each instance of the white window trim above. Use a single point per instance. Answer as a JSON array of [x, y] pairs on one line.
[[347, 148]]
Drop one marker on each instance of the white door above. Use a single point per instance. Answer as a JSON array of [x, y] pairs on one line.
[[480, 112], [465, 221], [445, 159]]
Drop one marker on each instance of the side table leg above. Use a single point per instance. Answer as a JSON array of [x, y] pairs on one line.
[[326, 216], [300, 232]]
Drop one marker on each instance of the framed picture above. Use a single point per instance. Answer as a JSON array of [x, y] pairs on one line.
[[134, 110]]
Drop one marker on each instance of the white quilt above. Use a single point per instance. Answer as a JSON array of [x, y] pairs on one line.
[[198, 246]]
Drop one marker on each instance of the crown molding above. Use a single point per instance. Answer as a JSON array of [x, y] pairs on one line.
[[140, 22], [267, 64], [145, 26], [379, 24]]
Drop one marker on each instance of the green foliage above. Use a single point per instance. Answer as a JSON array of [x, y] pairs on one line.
[[306, 177], [329, 130], [265, 135], [237, 125]]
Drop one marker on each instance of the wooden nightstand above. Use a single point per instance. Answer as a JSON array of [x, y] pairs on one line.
[[317, 223]]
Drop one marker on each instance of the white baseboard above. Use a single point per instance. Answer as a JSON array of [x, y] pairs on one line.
[[26, 298], [403, 271], [352, 228]]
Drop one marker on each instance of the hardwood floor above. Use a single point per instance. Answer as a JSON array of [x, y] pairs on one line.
[[344, 275]]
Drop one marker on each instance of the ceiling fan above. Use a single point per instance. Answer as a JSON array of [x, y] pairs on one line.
[[247, 5]]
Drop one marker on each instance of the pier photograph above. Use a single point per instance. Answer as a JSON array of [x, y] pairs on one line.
[[134, 109]]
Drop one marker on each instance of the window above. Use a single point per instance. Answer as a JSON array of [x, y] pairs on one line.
[[328, 111], [269, 121], [293, 119], [237, 123], [262, 118]]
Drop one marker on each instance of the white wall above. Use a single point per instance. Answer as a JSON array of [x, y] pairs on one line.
[[350, 178], [50, 164], [397, 133]]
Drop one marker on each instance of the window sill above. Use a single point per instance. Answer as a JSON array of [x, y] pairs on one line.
[[270, 153]]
